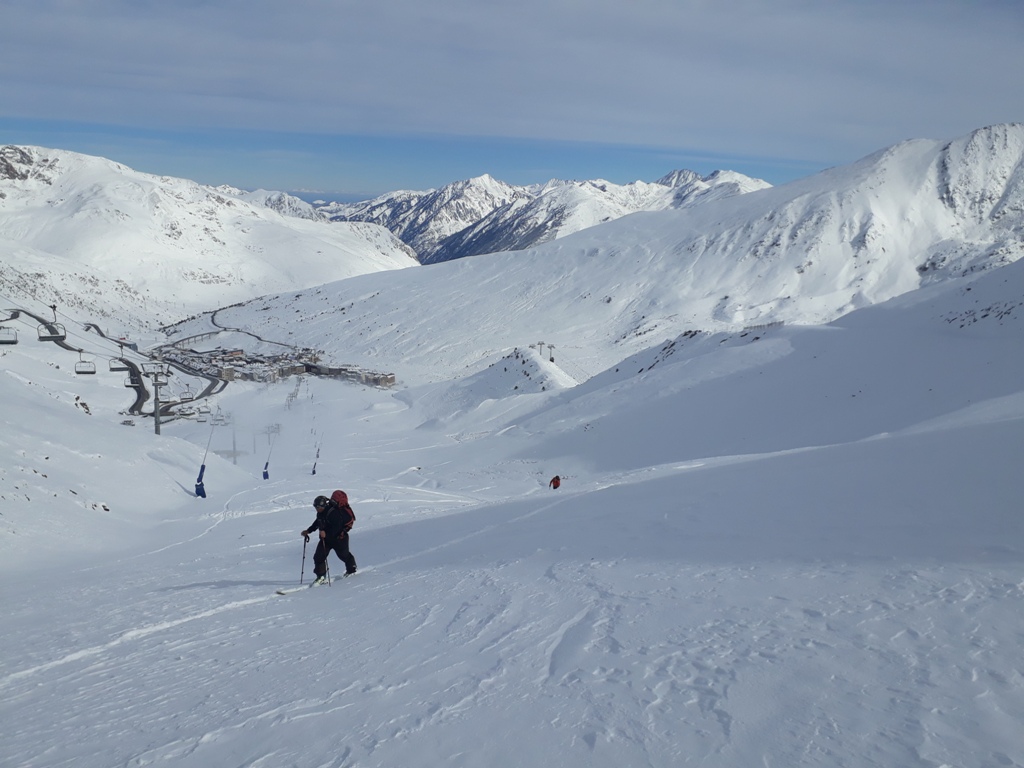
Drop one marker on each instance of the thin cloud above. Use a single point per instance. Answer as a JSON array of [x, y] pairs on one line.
[[793, 79]]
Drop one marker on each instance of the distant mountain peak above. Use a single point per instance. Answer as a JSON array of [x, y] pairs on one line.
[[678, 178], [484, 215]]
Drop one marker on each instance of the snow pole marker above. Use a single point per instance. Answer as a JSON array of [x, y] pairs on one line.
[[200, 488], [315, 460], [272, 433]]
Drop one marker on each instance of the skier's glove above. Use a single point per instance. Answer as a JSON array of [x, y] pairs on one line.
[[305, 537]]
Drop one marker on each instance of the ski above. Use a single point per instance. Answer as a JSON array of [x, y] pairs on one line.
[[290, 590]]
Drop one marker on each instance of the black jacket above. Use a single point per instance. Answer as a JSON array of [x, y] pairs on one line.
[[335, 521]]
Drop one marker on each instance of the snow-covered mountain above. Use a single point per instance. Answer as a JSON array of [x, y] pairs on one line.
[[804, 253], [424, 219], [789, 545], [483, 215], [282, 202], [795, 547], [74, 228], [561, 208]]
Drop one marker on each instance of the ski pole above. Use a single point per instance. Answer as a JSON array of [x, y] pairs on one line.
[[302, 573], [327, 564]]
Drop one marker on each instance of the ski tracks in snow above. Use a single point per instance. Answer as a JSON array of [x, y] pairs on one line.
[[127, 636], [603, 662]]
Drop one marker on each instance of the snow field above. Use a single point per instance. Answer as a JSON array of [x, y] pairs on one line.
[[707, 611], [800, 547]]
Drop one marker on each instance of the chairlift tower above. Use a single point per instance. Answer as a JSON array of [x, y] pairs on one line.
[[158, 371]]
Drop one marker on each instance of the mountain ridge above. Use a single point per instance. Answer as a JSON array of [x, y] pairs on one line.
[[178, 245], [483, 215], [804, 253]]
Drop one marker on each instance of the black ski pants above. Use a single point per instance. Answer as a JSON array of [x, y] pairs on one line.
[[340, 548]]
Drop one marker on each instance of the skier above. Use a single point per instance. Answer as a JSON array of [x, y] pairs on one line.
[[334, 519], [555, 482]]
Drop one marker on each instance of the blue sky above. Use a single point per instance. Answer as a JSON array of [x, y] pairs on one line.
[[354, 98]]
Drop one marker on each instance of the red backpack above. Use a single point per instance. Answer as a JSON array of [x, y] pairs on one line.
[[341, 499]]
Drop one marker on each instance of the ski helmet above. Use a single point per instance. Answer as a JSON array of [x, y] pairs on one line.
[[320, 502]]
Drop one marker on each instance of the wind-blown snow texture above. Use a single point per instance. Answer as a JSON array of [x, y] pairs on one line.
[[793, 545]]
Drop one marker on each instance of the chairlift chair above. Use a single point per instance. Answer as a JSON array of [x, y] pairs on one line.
[[130, 381], [51, 332], [8, 335], [118, 365], [186, 396], [84, 366]]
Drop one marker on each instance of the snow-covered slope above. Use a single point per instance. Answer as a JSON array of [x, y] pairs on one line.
[[804, 253], [793, 545], [177, 245], [797, 546]]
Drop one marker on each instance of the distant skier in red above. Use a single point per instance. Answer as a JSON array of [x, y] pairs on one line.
[[555, 482]]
